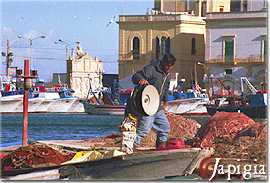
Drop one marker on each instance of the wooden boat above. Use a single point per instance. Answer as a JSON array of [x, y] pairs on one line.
[[103, 106], [141, 165], [105, 109], [150, 165]]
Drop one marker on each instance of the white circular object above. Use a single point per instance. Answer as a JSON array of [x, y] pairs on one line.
[[150, 100]]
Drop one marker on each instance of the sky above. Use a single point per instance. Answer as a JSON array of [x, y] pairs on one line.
[[85, 21]]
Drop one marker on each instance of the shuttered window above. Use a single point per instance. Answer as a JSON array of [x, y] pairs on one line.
[[235, 6], [229, 50]]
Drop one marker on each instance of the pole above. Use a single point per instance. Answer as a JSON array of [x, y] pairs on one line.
[[195, 73], [27, 81], [7, 57], [66, 52], [212, 86], [30, 50]]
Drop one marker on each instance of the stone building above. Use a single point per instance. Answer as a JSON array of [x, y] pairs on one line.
[[194, 7], [199, 33], [82, 71], [236, 45], [172, 26]]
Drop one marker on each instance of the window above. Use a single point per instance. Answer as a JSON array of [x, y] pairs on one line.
[[136, 48], [263, 49], [245, 6], [203, 9], [221, 8], [157, 47], [228, 49], [190, 5], [193, 46], [265, 4], [168, 45], [228, 71], [235, 5], [162, 45]]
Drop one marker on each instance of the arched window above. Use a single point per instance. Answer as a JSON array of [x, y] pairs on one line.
[[136, 48], [163, 45], [168, 45], [157, 47]]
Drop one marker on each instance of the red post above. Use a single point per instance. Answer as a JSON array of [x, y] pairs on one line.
[[27, 82]]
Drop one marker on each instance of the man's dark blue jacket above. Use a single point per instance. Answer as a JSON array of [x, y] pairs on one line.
[[156, 77]]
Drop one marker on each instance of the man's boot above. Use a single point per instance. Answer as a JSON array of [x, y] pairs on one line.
[[161, 146]]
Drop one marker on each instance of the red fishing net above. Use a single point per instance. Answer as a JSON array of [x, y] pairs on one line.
[[223, 125], [33, 156], [180, 127]]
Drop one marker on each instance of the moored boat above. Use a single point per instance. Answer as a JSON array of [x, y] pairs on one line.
[[39, 102], [104, 109], [190, 102], [253, 105], [137, 166]]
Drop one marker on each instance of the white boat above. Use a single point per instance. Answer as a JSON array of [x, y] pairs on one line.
[[190, 106], [45, 102], [190, 102]]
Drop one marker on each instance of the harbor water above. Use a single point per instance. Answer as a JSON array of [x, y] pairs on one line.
[[55, 126], [51, 126]]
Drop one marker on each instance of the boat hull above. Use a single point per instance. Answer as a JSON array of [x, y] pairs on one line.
[[193, 106], [144, 165], [184, 106], [104, 109], [41, 105]]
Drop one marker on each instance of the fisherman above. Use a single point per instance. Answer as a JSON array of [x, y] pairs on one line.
[[156, 74]]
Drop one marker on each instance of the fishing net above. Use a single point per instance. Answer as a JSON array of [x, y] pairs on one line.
[[180, 127], [33, 156], [250, 144], [224, 125]]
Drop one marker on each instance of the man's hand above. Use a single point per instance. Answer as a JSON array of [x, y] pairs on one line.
[[143, 82], [165, 106]]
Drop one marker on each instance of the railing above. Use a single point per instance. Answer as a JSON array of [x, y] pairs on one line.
[[231, 15], [162, 17], [250, 59]]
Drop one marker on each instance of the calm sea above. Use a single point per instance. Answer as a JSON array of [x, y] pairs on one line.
[[57, 127], [63, 126]]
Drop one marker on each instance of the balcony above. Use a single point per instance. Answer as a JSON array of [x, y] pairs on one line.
[[161, 18], [236, 15], [251, 59]]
